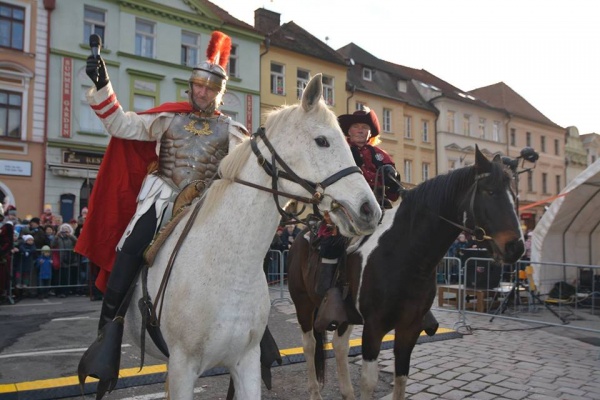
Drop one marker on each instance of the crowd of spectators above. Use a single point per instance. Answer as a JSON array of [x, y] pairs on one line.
[[37, 257]]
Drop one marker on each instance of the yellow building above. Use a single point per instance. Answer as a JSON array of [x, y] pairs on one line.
[[290, 56], [407, 122]]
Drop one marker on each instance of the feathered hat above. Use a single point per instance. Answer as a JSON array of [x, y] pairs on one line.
[[212, 72]]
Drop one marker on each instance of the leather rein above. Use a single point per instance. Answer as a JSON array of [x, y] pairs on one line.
[[478, 233], [317, 190]]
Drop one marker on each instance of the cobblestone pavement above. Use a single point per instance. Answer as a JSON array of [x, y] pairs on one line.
[[503, 359]]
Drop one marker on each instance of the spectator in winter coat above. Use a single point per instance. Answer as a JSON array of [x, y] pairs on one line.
[[43, 264]]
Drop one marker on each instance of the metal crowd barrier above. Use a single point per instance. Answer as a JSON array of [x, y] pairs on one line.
[[69, 274], [546, 293], [276, 273]]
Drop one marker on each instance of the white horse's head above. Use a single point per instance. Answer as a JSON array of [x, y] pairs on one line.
[[307, 138]]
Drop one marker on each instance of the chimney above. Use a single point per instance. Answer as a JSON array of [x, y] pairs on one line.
[[266, 21]]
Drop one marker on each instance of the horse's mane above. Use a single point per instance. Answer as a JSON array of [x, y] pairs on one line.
[[443, 190], [231, 165]]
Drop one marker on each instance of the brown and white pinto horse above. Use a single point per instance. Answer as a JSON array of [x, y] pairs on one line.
[[392, 275]]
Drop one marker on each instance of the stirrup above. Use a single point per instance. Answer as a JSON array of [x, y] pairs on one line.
[[103, 358]]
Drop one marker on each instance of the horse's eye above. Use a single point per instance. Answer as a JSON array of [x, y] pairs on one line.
[[491, 192], [322, 141]]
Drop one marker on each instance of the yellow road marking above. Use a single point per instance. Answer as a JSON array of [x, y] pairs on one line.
[[153, 369]]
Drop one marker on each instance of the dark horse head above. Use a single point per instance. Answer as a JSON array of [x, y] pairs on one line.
[[478, 199]]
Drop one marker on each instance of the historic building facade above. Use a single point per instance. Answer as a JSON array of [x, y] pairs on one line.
[[149, 48], [23, 72]]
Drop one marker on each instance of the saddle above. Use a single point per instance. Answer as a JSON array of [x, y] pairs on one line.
[[181, 208], [341, 277]]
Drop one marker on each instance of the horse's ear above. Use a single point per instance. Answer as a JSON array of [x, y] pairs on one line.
[[481, 162], [497, 158], [312, 93]]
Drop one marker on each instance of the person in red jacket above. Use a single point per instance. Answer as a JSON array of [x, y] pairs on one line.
[[361, 129]]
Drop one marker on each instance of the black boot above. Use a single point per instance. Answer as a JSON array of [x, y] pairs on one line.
[[102, 359], [332, 312]]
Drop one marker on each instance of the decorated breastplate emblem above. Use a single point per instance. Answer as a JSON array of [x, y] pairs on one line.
[[204, 130], [379, 157]]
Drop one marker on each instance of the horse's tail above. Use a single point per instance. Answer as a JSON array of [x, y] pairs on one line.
[[320, 355]]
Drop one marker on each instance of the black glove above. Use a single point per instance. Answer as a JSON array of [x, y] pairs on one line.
[[391, 176], [96, 70]]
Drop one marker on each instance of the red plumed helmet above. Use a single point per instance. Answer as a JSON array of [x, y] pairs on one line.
[[218, 49], [212, 71]]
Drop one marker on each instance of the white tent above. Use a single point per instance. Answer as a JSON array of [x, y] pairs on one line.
[[569, 231]]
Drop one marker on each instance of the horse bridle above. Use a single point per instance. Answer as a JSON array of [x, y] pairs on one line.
[[316, 189], [478, 233]]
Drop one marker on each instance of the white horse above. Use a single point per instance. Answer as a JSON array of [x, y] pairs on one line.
[[216, 303]]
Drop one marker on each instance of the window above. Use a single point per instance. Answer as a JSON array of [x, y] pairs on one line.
[[482, 128], [528, 139], [387, 120], [12, 26], [10, 114], [451, 165], [558, 186], [557, 147], [367, 74], [145, 93], [408, 127], [94, 22], [543, 144], [328, 90], [277, 78], [233, 65], [450, 115], [496, 131], [425, 130], [467, 125], [425, 171], [530, 181], [408, 171], [142, 102], [401, 86], [144, 38], [360, 106], [544, 182], [88, 120], [302, 78], [513, 137], [190, 49]]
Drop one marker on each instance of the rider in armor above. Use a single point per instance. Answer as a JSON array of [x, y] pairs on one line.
[[361, 129], [193, 137]]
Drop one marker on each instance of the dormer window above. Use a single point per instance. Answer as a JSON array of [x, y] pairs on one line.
[[401, 86], [367, 74]]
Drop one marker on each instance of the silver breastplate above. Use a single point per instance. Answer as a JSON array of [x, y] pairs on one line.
[[192, 148]]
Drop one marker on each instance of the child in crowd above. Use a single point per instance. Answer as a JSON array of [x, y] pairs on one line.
[[44, 269]]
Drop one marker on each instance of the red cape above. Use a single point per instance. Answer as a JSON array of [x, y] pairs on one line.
[[113, 200]]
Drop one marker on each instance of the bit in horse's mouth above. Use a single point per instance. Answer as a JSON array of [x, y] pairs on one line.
[[350, 226]]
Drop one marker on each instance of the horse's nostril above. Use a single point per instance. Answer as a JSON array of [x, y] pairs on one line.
[[366, 209]]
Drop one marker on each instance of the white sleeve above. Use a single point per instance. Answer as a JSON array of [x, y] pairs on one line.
[[126, 125]]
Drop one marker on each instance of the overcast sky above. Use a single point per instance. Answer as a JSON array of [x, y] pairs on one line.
[[548, 51]]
